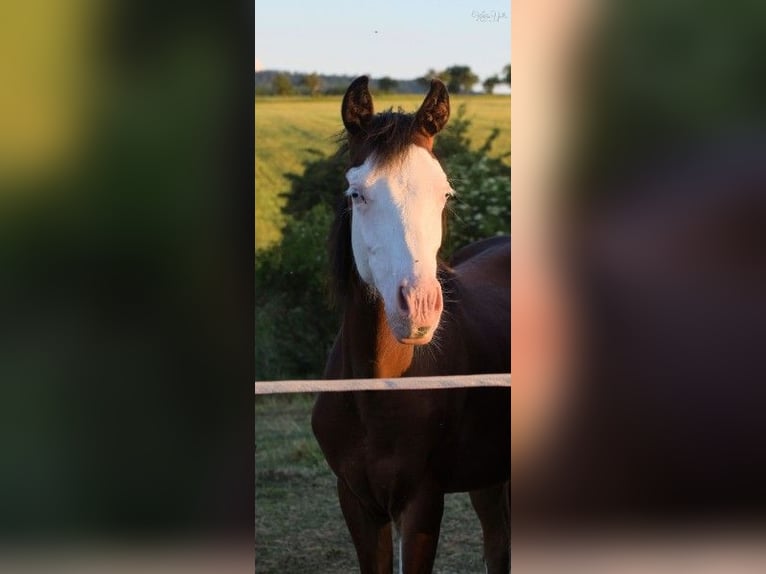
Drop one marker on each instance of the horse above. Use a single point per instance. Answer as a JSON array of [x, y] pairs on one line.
[[406, 313]]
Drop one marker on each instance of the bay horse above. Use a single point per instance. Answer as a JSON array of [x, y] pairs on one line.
[[405, 314]]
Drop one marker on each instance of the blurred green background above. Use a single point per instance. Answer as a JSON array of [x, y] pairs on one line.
[[125, 269]]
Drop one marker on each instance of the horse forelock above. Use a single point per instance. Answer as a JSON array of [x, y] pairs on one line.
[[387, 136]]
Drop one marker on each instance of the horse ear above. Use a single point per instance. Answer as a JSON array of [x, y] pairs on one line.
[[434, 112], [356, 110]]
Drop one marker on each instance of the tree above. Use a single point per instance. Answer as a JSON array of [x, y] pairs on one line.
[[490, 83], [459, 78], [282, 85], [387, 84], [313, 82], [507, 74]]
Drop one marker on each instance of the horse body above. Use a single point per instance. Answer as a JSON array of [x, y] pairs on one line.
[[396, 453]]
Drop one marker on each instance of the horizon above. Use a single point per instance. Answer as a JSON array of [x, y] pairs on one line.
[[501, 89]]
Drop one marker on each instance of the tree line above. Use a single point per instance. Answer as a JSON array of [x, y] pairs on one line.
[[459, 79]]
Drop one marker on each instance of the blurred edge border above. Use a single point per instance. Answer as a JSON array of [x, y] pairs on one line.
[[126, 281]]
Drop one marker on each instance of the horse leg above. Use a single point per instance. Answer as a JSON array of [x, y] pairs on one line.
[[492, 506], [370, 532], [420, 523]]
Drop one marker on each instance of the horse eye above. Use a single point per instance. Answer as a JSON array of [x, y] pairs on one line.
[[355, 195]]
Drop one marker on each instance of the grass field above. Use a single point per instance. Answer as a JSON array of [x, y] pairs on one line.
[[298, 524], [292, 130]]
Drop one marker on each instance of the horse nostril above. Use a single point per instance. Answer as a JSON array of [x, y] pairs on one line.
[[403, 305]]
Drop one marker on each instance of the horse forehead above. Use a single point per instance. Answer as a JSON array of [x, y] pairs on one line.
[[421, 162], [416, 163]]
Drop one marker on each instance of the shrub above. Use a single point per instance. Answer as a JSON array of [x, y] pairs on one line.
[[294, 323], [482, 203]]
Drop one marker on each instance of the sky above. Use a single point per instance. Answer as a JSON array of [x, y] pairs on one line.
[[398, 38]]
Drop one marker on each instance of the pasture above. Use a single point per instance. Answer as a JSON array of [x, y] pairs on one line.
[[292, 130], [298, 524]]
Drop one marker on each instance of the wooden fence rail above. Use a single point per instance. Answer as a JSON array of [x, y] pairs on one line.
[[407, 383]]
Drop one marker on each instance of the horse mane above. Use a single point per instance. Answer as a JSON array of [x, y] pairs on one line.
[[341, 257]]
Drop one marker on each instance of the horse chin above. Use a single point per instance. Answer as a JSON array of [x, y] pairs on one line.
[[407, 334], [415, 342]]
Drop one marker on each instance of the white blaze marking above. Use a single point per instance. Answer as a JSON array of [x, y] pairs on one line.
[[396, 228]]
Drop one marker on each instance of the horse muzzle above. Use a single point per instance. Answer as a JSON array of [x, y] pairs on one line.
[[419, 308]]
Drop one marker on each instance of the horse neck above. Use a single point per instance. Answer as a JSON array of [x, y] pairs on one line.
[[370, 348]]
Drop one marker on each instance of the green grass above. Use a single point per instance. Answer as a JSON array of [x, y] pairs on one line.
[[288, 128], [298, 524]]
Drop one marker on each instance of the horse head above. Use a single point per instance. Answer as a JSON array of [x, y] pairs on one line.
[[397, 191]]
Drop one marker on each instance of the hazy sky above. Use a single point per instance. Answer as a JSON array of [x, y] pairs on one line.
[[397, 38]]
